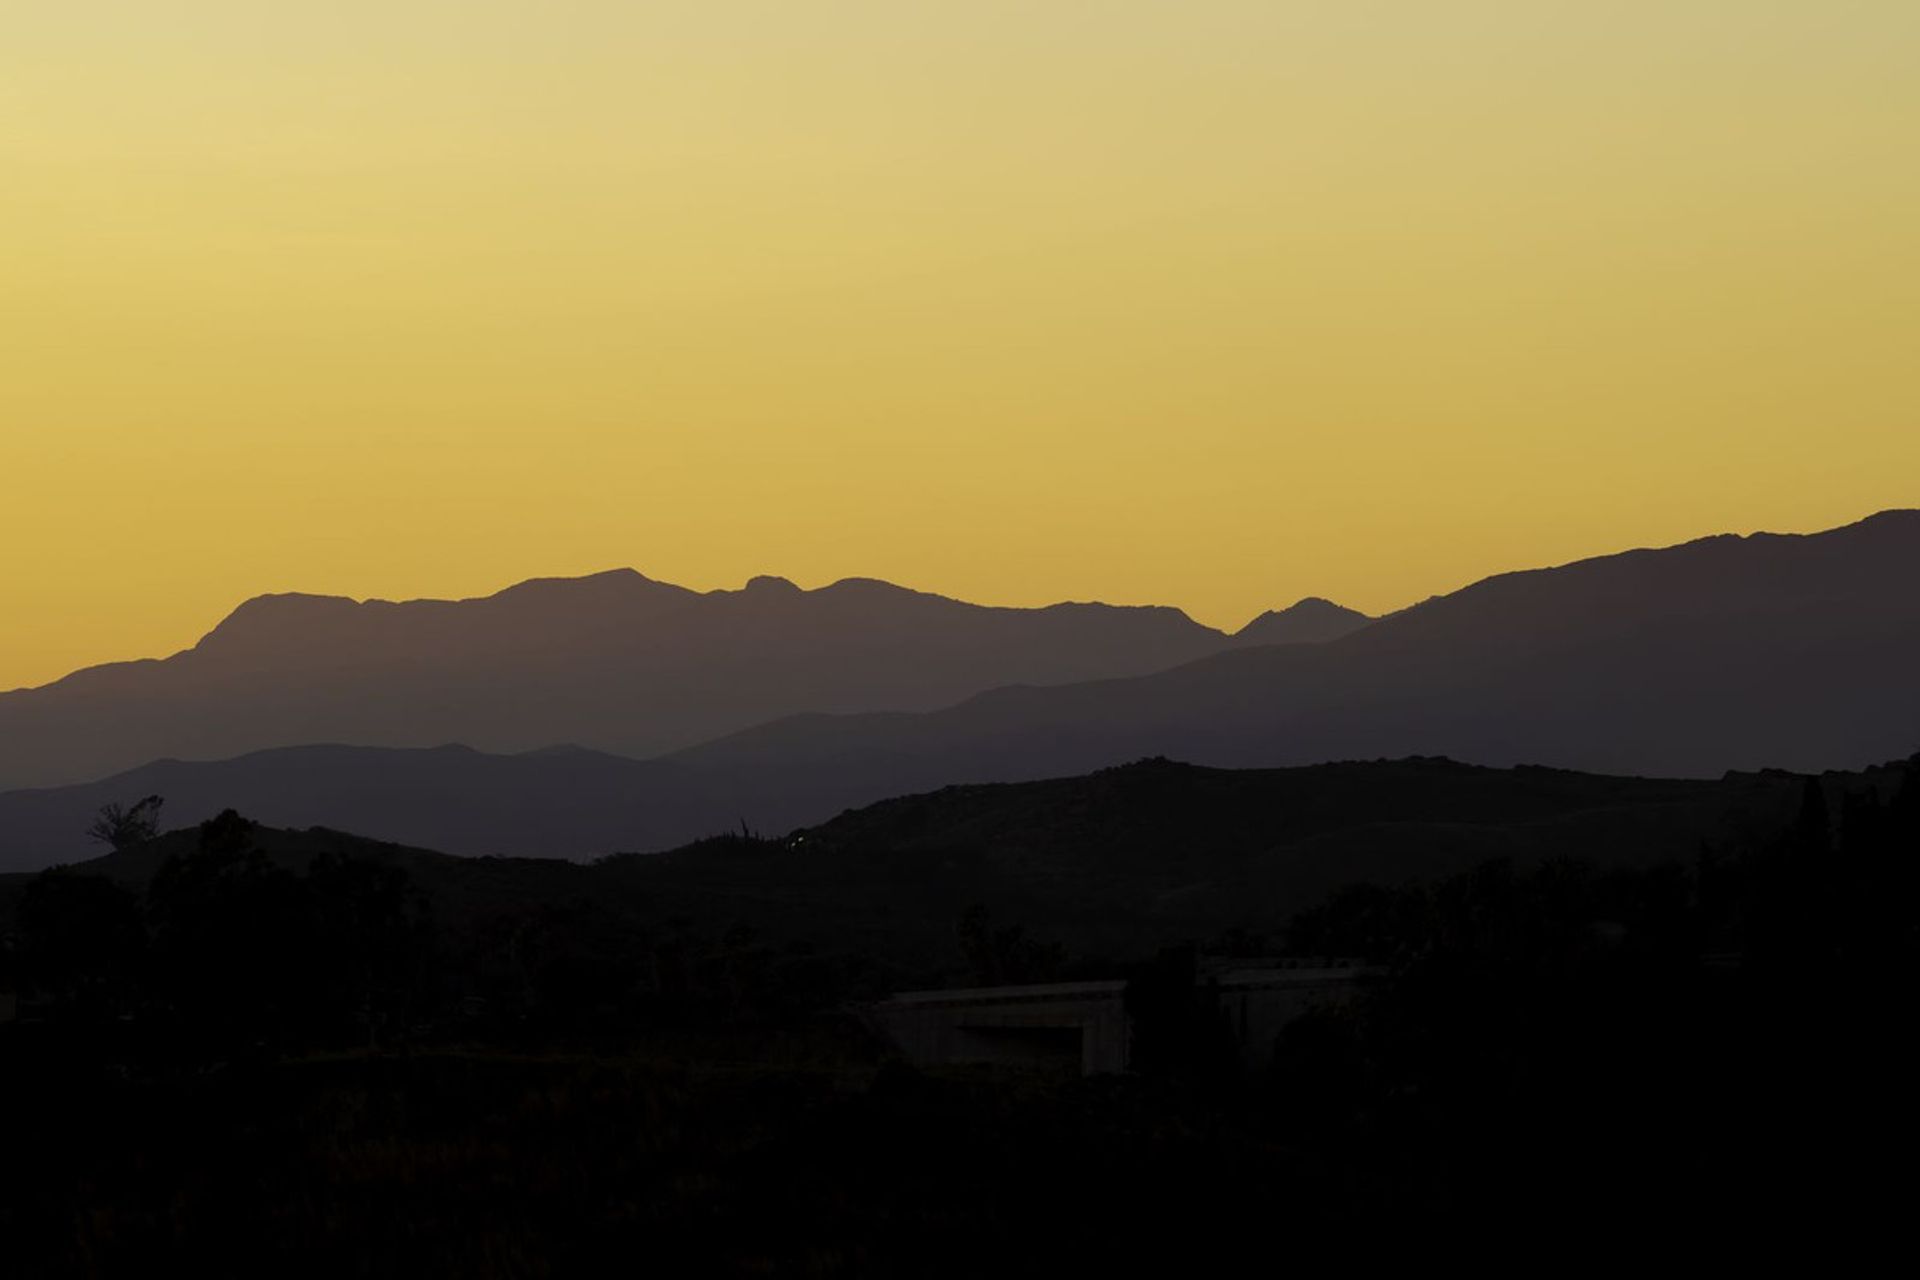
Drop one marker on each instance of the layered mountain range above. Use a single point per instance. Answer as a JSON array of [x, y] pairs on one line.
[[1729, 653], [616, 662]]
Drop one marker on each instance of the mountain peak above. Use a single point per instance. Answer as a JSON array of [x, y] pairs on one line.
[[276, 616], [1313, 620], [609, 581]]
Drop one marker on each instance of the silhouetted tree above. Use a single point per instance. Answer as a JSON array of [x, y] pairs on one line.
[[83, 942], [1903, 814], [1005, 954], [1813, 829], [1178, 1028], [234, 938], [372, 943], [123, 826]]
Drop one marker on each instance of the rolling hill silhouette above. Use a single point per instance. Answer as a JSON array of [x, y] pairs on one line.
[[615, 662], [562, 803], [1121, 859]]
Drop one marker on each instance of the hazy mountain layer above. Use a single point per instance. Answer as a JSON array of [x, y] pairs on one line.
[[615, 662], [1793, 652], [557, 804], [1728, 653]]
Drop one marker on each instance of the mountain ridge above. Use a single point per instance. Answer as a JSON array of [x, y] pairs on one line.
[[1726, 653], [1312, 620], [304, 606], [1654, 661], [617, 661], [1177, 823]]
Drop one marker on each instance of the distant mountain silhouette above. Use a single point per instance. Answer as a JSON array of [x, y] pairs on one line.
[[1312, 621], [616, 662], [1726, 653], [563, 803], [1734, 653]]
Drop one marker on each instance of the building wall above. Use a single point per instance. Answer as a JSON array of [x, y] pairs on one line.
[[1083, 1029], [1257, 1008], [1057, 1027]]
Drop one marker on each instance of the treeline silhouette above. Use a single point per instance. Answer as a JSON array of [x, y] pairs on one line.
[[228, 951], [247, 1066], [1674, 1048]]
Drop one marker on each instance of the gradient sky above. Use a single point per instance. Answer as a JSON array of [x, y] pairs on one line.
[[1214, 303]]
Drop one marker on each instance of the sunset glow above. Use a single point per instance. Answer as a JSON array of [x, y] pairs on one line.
[[1211, 303]]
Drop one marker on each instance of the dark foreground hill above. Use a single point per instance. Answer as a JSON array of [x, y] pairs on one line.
[[579, 804], [617, 662], [1111, 863], [242, 1050]]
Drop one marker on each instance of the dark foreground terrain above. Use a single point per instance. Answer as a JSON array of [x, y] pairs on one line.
[[256, 1052]]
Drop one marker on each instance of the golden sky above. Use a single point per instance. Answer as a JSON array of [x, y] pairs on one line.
[[1214, 303]]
